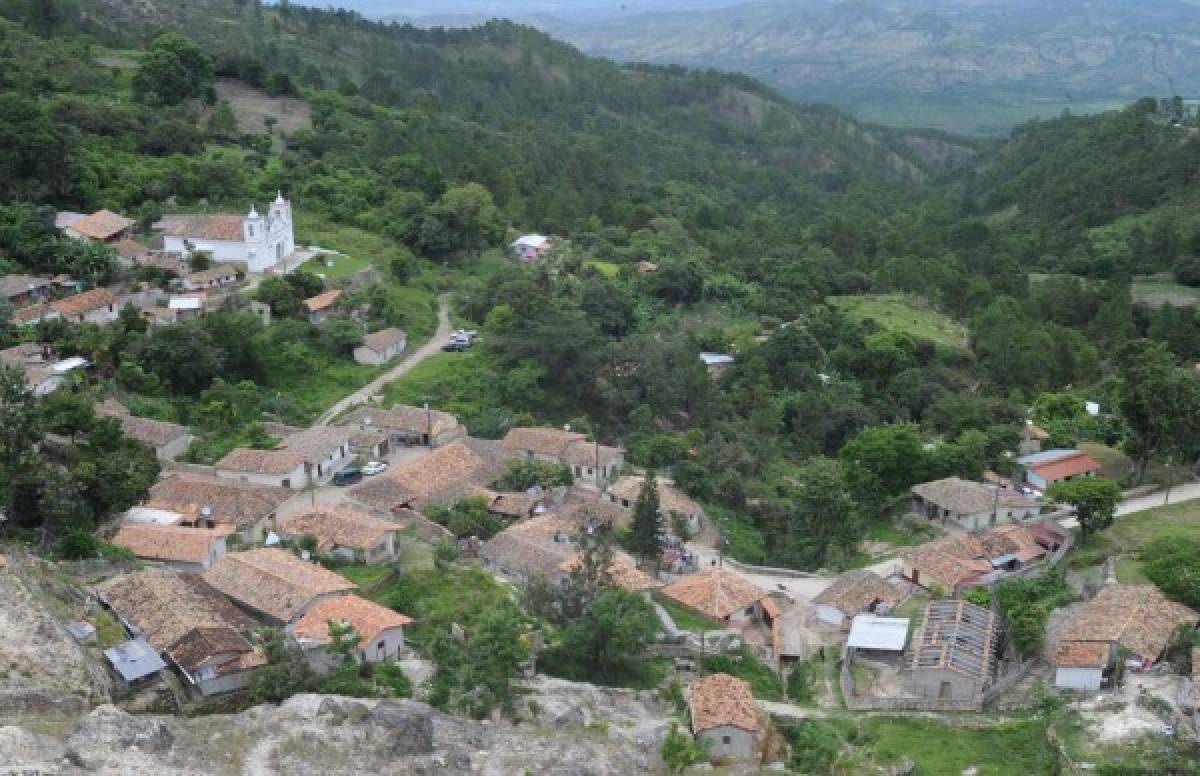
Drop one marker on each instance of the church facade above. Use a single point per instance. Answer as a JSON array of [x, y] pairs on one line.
[[254, 240]]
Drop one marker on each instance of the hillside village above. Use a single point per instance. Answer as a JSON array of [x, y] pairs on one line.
[[357, 418], [230, 563]]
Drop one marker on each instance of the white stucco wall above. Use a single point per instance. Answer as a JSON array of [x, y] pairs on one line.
[[1078, 678], [729, 742], [392, 641], [297, 479]]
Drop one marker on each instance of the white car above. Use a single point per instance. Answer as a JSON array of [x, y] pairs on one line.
[[374, 467]]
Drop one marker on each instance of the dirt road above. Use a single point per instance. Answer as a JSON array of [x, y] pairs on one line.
[[402, 368]]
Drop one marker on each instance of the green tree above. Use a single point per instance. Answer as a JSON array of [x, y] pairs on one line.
[[1160, 403], [825, 526], [464, 220], [882, 462], [43, 16], [646, 539], [680, 752], [174, 69], [1172, 563], [607, 645], [1094, 498]]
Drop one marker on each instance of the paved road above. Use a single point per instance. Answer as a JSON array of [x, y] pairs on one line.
[[405, 365], [1186, 492]]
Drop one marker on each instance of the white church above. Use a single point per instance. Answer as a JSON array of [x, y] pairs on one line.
[[253, 240]]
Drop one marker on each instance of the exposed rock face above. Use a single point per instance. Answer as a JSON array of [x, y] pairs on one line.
[[333, 735]]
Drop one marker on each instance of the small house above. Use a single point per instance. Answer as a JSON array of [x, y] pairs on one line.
[[211, 501], [102, 226], [95, 306], [134, 661], [25, 290], [408, 426], [322, 307], [530, 247], [345, 533], [716, 363], [274, 584], [971, 506], [853, 593], [380, 631], [217, 276], [1135, 619], [168, 440], [724, 713], [720, 595], [876, 637], [381, 346], [673, 504], [1080, 665], [1046, 468], [174, 546], [277, 468]]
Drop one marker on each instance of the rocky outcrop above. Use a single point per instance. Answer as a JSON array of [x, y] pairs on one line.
[[578, 730]]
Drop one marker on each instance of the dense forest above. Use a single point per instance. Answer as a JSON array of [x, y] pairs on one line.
[[769, 226]]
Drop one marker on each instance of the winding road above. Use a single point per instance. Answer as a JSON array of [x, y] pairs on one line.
[[402, 367]]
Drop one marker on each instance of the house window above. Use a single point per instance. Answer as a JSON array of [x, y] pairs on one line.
[[726, 740], [286, 483], [383, 645], [749, 610]]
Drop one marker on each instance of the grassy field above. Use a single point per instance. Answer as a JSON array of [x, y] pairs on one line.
[[452, 382], [1129, 534], [1016, 748], [1157, 290], [605, 268], [1114, 464], [685, 619], [360, 247], [365, 576], [907, 314]]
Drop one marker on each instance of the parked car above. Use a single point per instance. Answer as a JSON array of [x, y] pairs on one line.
[[347, 477], [454, 347], [371, 468]]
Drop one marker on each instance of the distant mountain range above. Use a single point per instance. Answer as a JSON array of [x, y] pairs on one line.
[[967, 65], [975, 66]]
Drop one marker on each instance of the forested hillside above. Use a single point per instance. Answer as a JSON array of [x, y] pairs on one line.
[[893, 315], [556, 136]]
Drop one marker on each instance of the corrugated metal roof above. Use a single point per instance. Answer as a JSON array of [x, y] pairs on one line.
[[869, 631], [135, 659]]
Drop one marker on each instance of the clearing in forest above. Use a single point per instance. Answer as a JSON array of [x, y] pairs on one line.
[[906, 314]]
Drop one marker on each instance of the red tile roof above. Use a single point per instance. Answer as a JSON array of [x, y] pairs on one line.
[[1071, 466], [85, 302], [719, 700], [368, 619], [101, 225], [215, 227]]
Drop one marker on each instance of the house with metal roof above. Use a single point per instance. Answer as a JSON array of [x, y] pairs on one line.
[[872, 633], [1046, 468], [134, 660]]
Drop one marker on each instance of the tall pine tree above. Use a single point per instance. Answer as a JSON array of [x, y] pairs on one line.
[[646, 539]]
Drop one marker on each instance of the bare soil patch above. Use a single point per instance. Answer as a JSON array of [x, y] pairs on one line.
[[253, 106]]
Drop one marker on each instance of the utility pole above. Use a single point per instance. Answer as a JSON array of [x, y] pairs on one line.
[[428, 424], [1167, 497]]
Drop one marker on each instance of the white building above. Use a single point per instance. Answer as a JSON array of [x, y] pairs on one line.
[[256, 241]]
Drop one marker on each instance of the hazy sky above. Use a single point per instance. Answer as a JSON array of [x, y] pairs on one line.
[[513, 7]]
